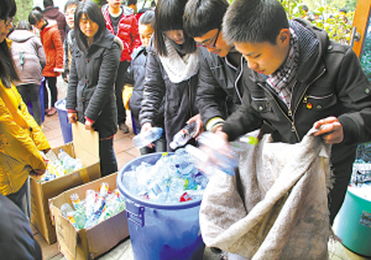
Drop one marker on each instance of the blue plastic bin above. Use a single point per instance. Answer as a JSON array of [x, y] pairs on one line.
[[60, 105], [161, 232]]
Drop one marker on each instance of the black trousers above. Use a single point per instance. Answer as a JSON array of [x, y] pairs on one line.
[[16, 239], [342, 173], [51, 92], [108, 162], [119, 85]]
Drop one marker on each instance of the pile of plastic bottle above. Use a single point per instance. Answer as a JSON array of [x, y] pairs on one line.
[[173, 179], [361, 175], [59, 165], [97, 207]]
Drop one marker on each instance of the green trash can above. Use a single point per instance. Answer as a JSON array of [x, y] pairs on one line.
[[353, 223]]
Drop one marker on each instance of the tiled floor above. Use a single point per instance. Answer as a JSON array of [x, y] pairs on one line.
[[125, 152]]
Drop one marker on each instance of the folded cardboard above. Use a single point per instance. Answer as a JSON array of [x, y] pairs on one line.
[[85, 147], [91, 242]]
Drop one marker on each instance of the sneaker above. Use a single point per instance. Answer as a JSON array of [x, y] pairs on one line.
[[124, 128]]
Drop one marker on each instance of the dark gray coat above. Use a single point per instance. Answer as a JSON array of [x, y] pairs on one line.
[[91, 85], [220, 89], [136, 76], [178, 98]]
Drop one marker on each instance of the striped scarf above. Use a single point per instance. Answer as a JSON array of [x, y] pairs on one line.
[[282, 81]]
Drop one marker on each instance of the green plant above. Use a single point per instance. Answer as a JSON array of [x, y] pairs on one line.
[[336, 24], [24, 7], [324, 14]]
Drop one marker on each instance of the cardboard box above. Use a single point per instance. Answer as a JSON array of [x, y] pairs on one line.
[[85, 147], [87, 243]]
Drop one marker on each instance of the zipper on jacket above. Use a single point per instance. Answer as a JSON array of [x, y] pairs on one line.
[[238, 76], [302, 97], [190, 98], [237, 79], [291, 121], [305, 99]]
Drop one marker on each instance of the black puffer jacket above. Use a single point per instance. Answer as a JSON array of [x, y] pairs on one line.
[[178, 98], [91, 85], [220, 88], [330, 82], [136, 76]]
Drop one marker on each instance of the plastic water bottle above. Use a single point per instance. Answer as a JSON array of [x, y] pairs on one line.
[[183, 136], [145, 138]]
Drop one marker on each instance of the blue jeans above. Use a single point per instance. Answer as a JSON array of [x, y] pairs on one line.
[[108, 163], [30, 94]]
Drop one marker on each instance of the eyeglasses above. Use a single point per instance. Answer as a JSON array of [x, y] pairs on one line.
[[210, 43]]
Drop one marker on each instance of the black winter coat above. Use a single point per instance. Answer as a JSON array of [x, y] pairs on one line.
[[220, 88], [178, 98], [329, 83], [136, 75], [91, 84]]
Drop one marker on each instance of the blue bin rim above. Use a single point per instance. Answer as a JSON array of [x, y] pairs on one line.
[[126, 194], [58, 105]]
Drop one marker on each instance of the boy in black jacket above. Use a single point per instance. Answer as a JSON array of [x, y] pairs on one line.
[[220, 87], [299, 78]]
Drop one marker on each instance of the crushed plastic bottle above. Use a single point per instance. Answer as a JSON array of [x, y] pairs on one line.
[[183, 136], [95, 208], [168, 180], [219, 157], [145, 138]]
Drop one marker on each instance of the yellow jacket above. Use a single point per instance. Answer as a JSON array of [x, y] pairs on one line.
[[21, 139]]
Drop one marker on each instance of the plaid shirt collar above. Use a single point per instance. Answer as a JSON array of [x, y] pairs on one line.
[[281, 80]]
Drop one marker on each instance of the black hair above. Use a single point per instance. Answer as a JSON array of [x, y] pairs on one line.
[[153, 4], [34, 17], [8, 72], [48, 3], [70, 2], [254, 21], [147, 18], [93, 12], [131, 2], [37, 8], [201, 16], [24, 25], [169, 16], [304, 8]]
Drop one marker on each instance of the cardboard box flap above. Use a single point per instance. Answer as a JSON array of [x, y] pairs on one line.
[[86, 143]]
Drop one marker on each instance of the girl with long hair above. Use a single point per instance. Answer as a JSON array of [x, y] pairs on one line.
[[90, 94]]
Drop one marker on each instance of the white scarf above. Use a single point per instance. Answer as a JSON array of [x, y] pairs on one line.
[[179, 68]]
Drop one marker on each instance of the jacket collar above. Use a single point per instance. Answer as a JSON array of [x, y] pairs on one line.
[[313, 43]]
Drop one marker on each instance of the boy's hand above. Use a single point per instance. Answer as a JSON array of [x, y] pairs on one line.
[[330, 129]]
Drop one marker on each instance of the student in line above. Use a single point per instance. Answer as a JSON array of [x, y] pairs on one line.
[[90, 94]]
